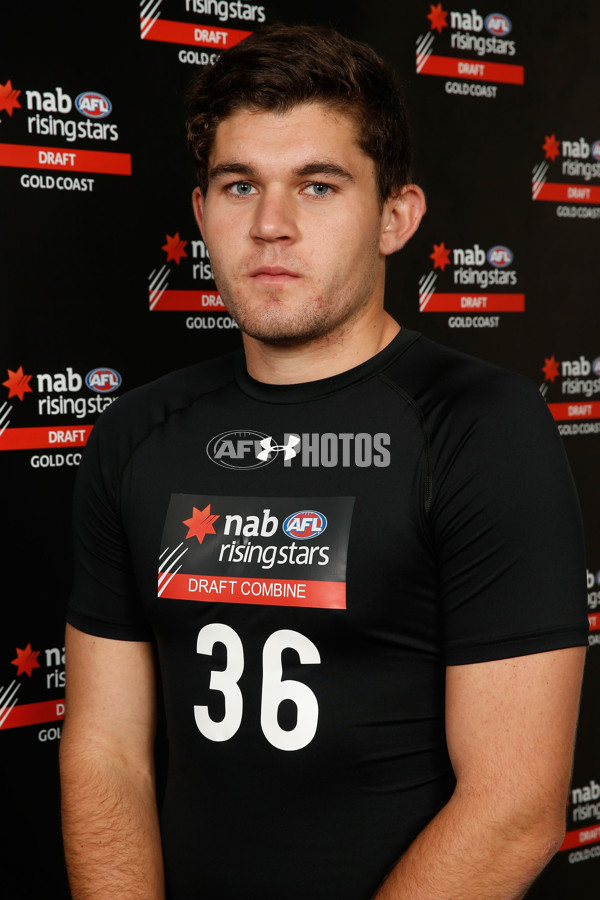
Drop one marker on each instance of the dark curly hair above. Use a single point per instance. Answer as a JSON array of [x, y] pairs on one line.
[[284, 65]]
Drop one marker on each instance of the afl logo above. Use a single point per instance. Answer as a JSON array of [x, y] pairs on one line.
[[93, 105], [500, 256], [596, 366], [305, 524], [498, 24], [596, 150], [239, 450], [103, 380]]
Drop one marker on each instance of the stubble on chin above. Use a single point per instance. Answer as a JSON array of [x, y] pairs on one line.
[[275, 319], [272, 318], [274, 322], [273, 325]]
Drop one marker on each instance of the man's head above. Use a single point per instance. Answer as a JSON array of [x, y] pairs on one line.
[[284, 66], [304, 184]]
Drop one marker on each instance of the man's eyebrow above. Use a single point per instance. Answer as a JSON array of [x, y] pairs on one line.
[[322, 167], [316, 167], [232, 168]]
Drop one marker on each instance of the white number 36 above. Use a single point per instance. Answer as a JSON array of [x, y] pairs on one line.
[[275, 689]]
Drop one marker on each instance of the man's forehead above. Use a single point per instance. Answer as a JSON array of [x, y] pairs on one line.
[[314, 127]]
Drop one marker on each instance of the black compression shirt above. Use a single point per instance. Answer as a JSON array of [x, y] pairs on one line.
[[324, 550]]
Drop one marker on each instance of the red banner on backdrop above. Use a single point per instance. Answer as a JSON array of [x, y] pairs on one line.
[[594, 621], [191, 34], [260, 591], [41, 437], [571, 193], [474, 303], [25, 156], [34, 714], [188, 301], [474, 69], [580, 837], [575, 410]]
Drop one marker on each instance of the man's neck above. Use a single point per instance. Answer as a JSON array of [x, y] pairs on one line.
[[320, 358]]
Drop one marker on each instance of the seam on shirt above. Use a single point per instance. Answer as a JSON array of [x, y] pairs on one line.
[[512, 637], [427, 500], [410, 339], [159, 424], [507, 646]]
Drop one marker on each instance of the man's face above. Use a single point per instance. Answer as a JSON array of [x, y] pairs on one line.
[[292, 222]]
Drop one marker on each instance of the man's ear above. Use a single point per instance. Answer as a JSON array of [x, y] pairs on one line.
[[402, 214], [198, 205]]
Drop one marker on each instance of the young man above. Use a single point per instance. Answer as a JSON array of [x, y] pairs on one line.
[[367, 633]]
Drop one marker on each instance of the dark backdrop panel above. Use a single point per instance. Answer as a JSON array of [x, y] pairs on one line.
[[106, 284]]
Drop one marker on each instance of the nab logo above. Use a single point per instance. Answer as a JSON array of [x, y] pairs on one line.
[[305, 524], [103, 380], [93, 105], [498, 24], [500, 256]]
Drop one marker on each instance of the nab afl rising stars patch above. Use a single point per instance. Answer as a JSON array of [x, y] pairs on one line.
[[278, 551]]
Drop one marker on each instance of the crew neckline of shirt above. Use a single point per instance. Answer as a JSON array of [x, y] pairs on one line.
[[323, 387]]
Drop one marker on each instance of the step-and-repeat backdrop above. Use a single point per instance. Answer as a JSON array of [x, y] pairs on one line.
[[106, 284]]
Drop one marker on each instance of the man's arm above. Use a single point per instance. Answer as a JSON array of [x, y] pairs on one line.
[[110, 822], [510, 732]]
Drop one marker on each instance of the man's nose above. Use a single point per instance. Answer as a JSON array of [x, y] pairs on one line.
[[275, 217]]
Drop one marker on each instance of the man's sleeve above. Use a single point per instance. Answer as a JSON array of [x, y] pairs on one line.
[[508, 528], [104, 598]]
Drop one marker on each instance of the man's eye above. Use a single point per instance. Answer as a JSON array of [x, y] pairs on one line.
[[241, 188], [318, 189]]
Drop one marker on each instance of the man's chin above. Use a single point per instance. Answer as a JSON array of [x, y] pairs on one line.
[[280, 337], [271, 326]]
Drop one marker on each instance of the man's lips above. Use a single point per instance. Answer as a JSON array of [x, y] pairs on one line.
[[273, 275]]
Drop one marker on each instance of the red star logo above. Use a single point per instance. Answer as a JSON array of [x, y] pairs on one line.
[[17, 383], [26, 660], [437, 16], [551, 147], [440, 256], [175, 247], [550, 369], [8, 98], [201, 523]]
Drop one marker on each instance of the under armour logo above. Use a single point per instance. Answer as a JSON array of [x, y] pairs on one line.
[[270, 447]]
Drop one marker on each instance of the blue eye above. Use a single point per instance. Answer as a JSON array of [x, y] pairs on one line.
[[320, 190], [242, 188]]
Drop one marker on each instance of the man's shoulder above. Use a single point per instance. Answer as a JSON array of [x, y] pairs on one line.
[[140, 409], [475, 411], [445, 382]]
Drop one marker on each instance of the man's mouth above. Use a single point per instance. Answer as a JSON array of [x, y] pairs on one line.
[[273, 275]]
